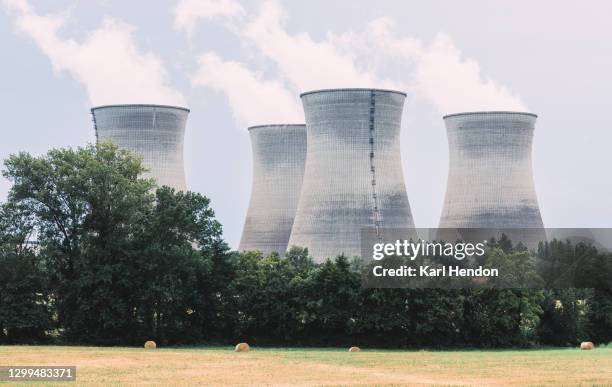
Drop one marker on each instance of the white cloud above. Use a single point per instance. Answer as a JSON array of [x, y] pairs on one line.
[[107, 61], [188, 12], [252, 99], [376, 56], [437, 72], [302, 64], [454, 84], [305, 63]]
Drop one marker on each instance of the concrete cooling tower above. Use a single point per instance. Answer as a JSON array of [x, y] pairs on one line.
[[279, 154], [156, 132], [353, 177], [490, 181]]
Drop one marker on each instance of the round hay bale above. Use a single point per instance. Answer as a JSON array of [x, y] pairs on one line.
[[586, 345], [242, 347], [354, 349], [150, 345]]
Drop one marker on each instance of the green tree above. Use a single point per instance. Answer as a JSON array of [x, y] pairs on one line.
[[502, 317], [88, 205], [599, 316], [25, 304], [564, 321], [264, 290], [180, 249], [517, 269], [332, 301], [580, 305], [126, 262], [596, 272]]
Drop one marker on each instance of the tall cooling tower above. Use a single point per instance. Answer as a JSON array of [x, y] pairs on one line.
[[279, 154], [490, 181], [154, 131], [353, 177]]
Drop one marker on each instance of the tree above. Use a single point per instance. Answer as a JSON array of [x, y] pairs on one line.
[[125, 262], [180, 247], [331, 297], [596, 272], [563, 321], [264, 292], [88, 204], [25, 304], [517, 269], [502, 317], [599, 316], [580, 305]]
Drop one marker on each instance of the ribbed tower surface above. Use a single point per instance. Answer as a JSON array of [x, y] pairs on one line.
[[154, 131], [279, 154], [353, 177], [490, 180]]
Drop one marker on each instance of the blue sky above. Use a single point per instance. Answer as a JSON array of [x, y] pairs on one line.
[[236, 64]]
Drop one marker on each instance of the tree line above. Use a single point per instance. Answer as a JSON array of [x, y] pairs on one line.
[[91, 253]]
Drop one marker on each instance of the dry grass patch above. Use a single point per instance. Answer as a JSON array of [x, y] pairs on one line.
[[268, 366]]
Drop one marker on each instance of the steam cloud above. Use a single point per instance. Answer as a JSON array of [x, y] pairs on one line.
[[251, 98], [187, 13], [105, 61], [436, 72]]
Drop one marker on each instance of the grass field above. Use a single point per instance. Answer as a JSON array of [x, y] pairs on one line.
[[279, 366]]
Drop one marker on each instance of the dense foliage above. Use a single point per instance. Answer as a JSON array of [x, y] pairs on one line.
[[25, 310], [91, 253]]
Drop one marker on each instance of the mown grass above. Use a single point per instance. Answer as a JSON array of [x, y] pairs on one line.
[[320, 366]]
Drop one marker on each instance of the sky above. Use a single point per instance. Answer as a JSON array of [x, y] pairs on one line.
[[237, 64]]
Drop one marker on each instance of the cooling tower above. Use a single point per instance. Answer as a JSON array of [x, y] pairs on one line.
[[156, 132], [353, 177], [279, 154], [490, 181]]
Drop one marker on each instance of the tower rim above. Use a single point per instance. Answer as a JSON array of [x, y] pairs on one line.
[[139, 105], [486, 112], [273, 126], [352, 89]]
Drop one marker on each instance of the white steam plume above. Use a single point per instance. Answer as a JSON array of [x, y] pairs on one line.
[[107, 61]]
